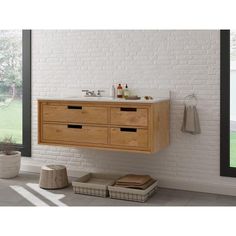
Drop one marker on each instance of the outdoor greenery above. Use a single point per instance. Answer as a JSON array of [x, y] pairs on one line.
[[233, 149], [11, 121], [11, 84], [10, 62]]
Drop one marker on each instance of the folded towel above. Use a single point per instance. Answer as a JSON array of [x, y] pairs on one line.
[[133, 179], [143, 186], [191, 122]]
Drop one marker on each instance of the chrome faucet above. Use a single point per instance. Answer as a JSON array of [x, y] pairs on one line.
[[89, 93]]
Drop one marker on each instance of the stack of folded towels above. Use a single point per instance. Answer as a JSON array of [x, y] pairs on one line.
[[134, 181]]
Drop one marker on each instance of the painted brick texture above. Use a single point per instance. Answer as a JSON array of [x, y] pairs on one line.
[[64, 62]]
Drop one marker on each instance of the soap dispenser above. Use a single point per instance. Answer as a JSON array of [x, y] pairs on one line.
[[126, 91], [119, 91]]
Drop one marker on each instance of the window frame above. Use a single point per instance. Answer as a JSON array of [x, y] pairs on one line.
[[25, 147], [225, 169]]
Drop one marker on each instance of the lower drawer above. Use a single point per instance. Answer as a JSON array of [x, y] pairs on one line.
[[129, 137], [65, 133]]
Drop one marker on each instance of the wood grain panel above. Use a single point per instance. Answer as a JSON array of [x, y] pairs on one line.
[[161, 126], [75, 133], [133, 116], [75, 113], [128, 137]]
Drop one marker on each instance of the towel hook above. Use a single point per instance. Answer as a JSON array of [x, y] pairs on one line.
[[190, 98]]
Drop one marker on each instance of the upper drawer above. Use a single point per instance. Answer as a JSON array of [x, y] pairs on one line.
[[133, 116], [75, 114]]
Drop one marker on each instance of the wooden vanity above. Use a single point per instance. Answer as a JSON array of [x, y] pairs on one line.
[[109, 125]]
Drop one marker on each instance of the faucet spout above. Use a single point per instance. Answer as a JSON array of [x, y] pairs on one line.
[[89, 93]]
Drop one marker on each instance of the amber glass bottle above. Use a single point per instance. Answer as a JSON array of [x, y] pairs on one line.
[[119, 91]]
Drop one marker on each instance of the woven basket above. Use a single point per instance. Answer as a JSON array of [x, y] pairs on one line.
[[94, 184], [91, 191], [130, 194]]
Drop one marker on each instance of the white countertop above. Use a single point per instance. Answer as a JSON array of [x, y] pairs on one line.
[[102, 99]]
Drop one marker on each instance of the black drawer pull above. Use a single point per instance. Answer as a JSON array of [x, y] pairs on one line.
[[128, 109], [74, 107], [128, 129], [74, 126]]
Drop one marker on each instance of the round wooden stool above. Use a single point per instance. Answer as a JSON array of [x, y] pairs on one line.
[[53, 177]]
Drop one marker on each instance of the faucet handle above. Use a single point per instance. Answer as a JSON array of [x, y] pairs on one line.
[[99, 92], [86, 91]]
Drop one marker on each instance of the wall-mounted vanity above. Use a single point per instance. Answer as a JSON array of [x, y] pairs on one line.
[[105, 123]]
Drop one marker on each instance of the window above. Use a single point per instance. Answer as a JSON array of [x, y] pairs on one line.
[[15, 88], [228, 103]]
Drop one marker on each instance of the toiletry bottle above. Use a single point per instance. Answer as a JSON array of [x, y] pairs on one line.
[[119, 91], [112, 91], [126, 91]]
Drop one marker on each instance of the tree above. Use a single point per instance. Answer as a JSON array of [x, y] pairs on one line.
[[10, 61]]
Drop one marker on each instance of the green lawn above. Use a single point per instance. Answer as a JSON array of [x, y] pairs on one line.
[[233, 149], [11, 121]]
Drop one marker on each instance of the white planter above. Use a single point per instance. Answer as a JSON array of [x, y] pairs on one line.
[[10, 165]]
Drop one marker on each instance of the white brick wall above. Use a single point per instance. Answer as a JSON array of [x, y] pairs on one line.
[[64, 62]]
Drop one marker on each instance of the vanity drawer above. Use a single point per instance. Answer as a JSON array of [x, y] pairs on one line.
[[129, 137], [72, 133], [129, 116], [75, 114]]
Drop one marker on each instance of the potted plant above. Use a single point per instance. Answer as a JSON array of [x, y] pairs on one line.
[[10, 158]]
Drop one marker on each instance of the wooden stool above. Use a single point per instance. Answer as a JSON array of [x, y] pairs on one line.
[[53, 177]]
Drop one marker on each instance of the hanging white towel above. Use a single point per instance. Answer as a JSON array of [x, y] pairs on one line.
[[191, 123]]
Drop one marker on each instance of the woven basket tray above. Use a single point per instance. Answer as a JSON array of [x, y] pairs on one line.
[[94, 184], [130, 194]]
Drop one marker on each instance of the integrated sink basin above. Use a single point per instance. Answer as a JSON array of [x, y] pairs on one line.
[[103, 99], [90, 98]]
